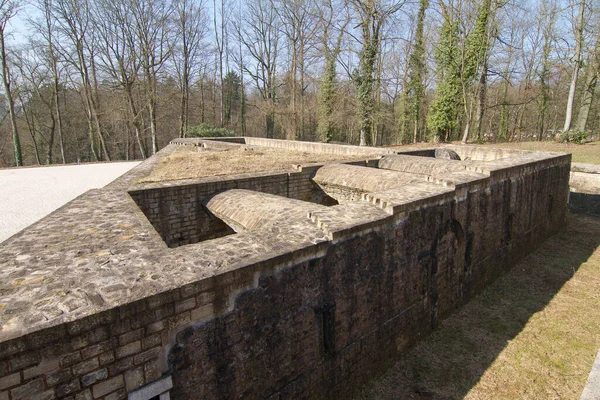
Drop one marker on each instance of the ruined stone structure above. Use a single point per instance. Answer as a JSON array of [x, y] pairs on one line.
[[302, 283]]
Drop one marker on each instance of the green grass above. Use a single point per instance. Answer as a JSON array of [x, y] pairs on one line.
[[532, 334]]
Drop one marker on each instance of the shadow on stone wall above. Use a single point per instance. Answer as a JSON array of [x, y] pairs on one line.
[[584, 203], [450, 362]]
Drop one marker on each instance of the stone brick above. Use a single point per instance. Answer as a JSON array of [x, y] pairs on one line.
[[203, 313], [164, 312], [97, 335], [179, 320], [120, 394], [24, 360], [44, 368], [85, 395], [134, 378], [129, 349], [152, 371], [70, 359], [28, 390], [85, 367], [10, 380], [155, 327], [185, 305], [77, 327], [120, 327], [96, 349], [145, 318], [120, 366], [4, 396], [68, 388], [131, 336], [161, 299], [106, 358], [205, 298], [93, 377], [147, 356], [59, 377], [108, 386], [152, 341]]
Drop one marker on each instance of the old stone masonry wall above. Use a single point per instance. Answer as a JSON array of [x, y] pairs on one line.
[[297, 284]]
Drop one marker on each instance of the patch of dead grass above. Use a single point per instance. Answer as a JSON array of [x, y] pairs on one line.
[[189, 163], [583, 153], [533, 334]]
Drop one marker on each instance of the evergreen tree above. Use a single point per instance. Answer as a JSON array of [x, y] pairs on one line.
[[443, 114]]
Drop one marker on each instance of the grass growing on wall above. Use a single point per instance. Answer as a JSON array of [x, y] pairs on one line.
[[533, 334], [186, 162]]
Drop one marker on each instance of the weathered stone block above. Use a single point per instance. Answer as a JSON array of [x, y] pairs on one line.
[[24, 360], [28, 391], [108, 386], [120, 366], [152, 371], [134, 378], [94, 350], [46, 367], [151, 341], [85, 395], [185, 305], [129, 349], [85, 367], [93, 377], [155, 327], [131, 336], [106, 358], [202, 313], [68, 388], [59, 377], [147, 356], [70, 359], [120, 394], [10, 380]]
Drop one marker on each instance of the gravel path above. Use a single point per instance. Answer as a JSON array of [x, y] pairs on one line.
[[29, 194]]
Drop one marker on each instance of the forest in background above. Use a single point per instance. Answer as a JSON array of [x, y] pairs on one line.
[[100, 80]]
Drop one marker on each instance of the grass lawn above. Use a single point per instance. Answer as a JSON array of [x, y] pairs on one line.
[[583, 153], [532, 334]]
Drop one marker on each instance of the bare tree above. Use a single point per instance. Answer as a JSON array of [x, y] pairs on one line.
[[46, 27], [150, 19], [579, 27], [119, 56], [187, 52], [371, 15], [74, 20], [8, 9], [259, 32]]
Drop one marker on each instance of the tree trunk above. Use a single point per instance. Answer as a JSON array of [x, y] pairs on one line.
[[586, 99], [590, 86], [481, 98], [135, 121], [11, 103], [576, 67]]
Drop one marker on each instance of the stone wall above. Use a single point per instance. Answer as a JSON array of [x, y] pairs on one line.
[[179, 215], [585, 189], [320, 328], [315, 147], [312, 308]]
